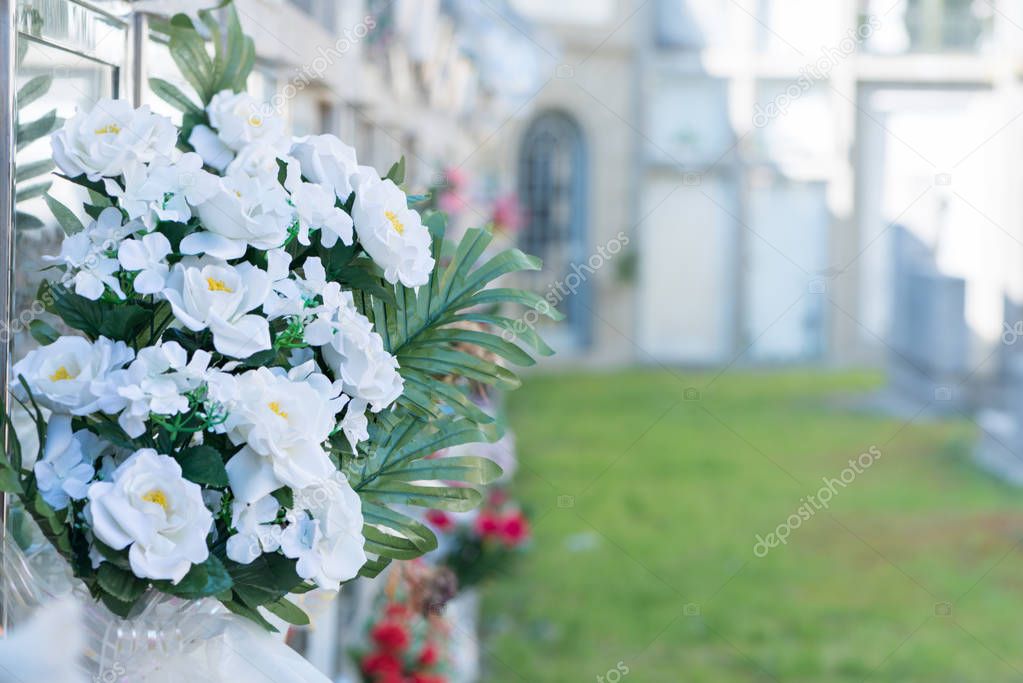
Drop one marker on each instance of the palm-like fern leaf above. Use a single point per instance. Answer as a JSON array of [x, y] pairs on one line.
[[420, 328]]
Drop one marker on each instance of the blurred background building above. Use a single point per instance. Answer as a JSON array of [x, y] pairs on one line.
[[763, 158]]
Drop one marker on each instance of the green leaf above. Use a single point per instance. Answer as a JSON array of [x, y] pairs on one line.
[[202, 580], [288, 611], [116, 320], [117, 558], [416, 535], [188, 49], [98, 199], [9, 481], [452, 498], [33, 169], [203, 465], [43, 332], [249, 613], [389, 545], [10, 449], [169, 93], [24, 194], [26, 221], [120, 583], [67, 219], [419, 327], [471, 469], [30, 132], [270, 571], [118, 607], [397, 172], [373, 567], [240, 54], [527, 299], [33, 90], [285, 496]]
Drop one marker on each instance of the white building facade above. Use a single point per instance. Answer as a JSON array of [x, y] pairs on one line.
[[760, 156]]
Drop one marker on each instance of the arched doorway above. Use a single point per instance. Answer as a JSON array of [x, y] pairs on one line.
[[553, 188]]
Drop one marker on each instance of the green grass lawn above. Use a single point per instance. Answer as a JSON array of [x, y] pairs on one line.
[[646, 507]]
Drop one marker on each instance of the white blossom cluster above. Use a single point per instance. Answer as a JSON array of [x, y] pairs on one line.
[[245, 195]]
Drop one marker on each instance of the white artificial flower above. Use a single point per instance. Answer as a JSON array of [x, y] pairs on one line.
[[390, 232], [148, 256], [157, 381], [246, 211], [240, 120], [164, 190], [151, 507], [261, 159], [255, 533], [67, 466], [69, 375], [283, 421], [355, 353], [324, 533], [210, 147], [328, 161], [89, 255], [315, 207], [355, 424], [101, 142], [287, 297], [218, 296]]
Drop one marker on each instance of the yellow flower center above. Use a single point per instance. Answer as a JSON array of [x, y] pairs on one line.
[[275, 408], [61, 374], [395, 223], [256, 120], [109, 128], [156, 496], [216, 285]]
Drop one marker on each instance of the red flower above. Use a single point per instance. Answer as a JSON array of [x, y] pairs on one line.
[[507, 214], [392, 677], [428, 678], [396, 610], [390, 636], [429, 656], [488, 524], [514, 528], [381, 664], [441, 520], [498, 498]]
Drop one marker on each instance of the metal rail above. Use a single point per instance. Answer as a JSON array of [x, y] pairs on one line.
[[8, 131]]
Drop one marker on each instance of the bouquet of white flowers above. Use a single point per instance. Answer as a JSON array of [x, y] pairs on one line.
[[263, 341]]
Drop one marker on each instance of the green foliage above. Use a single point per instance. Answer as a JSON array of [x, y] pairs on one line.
[[396, 173], [422, 329], [120, 583], [234, 55], [170, 93], [203, 465], [138, 323], [202, 581], [418, 328], [65, 217]]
